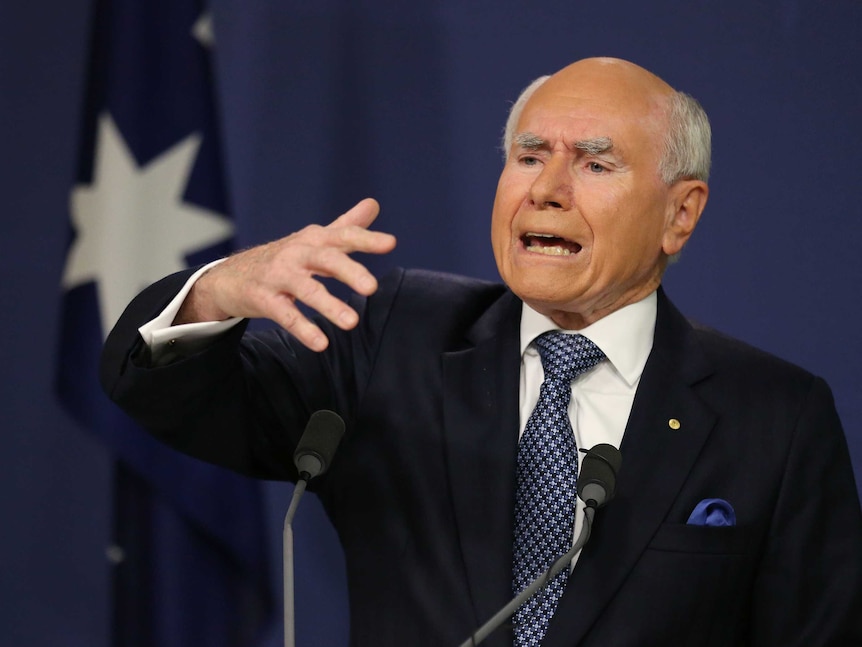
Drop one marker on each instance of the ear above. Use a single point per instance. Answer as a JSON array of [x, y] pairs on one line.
[[687, 201]]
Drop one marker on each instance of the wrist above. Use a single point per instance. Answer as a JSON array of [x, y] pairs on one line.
[[199, 306]]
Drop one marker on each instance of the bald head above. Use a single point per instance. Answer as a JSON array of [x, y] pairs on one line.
[[679, 125], [612, 78]]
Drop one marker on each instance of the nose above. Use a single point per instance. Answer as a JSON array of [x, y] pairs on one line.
[[552, 188]]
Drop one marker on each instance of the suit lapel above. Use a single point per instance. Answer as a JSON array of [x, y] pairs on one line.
[[481, 436], [656, 460]]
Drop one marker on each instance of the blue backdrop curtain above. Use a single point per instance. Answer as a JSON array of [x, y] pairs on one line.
[[327, 102]]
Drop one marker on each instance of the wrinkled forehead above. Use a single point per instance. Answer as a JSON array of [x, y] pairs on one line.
[[600, 101]]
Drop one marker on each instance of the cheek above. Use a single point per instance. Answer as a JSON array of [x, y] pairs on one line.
[[625, 234], [514, 183], [506, 204], [500, 228]]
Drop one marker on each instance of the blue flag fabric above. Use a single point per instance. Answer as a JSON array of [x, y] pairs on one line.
[[150, 199]]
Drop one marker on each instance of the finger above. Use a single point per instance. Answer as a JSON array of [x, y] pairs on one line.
[[362, 214], [357, 239], [341, 267], [287, 315], [314, 294]]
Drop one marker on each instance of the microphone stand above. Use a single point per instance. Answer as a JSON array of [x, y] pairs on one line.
[[540, 582], [287, 558], [312, 458]]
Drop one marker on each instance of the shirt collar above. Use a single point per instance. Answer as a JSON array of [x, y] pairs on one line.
[[625, 336]]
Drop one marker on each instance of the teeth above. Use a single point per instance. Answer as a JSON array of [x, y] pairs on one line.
[[549, 251]]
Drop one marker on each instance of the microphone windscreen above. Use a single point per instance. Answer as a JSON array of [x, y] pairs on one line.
[[318, 443], [597, 478]]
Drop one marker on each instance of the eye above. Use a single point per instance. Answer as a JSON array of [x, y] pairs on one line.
[[529, 160], [595, 167]]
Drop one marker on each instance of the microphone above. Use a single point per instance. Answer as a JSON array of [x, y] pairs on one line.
[[318, 444], [312, 458], [597, 480]]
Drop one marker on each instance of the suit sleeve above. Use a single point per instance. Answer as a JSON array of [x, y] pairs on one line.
[[808, 590], [243, 401]]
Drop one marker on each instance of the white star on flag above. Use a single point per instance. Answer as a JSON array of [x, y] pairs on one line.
[[132, 226]]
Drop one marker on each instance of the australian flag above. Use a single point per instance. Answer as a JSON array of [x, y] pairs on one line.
[[189, 551]]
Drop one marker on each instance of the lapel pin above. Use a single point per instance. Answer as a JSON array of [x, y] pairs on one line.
[[673, 423]]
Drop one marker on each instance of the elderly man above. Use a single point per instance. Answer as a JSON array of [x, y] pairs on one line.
[[736, 519]]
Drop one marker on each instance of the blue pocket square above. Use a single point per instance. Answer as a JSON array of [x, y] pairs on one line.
[[713, 512]]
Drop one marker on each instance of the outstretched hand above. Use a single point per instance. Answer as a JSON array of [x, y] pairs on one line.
[[266, 281]]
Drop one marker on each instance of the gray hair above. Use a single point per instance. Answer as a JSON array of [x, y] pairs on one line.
[[687, 141], [515, 113]]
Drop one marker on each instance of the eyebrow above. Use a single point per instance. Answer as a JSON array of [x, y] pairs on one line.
[[595, 146], [592, 146], [529, 140]]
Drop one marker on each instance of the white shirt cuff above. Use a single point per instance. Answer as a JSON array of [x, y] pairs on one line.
[[160, 335]]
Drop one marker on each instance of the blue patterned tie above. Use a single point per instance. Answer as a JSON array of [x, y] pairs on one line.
[[546, 486]]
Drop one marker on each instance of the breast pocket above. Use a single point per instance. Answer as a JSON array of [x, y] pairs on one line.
[[717, 540], [690, 586]]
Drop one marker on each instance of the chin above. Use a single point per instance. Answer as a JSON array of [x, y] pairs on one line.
[[542, 296], [551, 282]]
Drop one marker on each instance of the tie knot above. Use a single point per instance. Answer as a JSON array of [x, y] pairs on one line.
[[564, 357]]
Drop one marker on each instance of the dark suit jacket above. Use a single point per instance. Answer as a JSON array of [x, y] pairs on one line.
[[421, 491]]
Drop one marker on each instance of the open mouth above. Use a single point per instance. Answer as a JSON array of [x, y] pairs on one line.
[[549, 245]]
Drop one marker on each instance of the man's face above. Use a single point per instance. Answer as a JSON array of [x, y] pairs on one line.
[[580, 218]]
